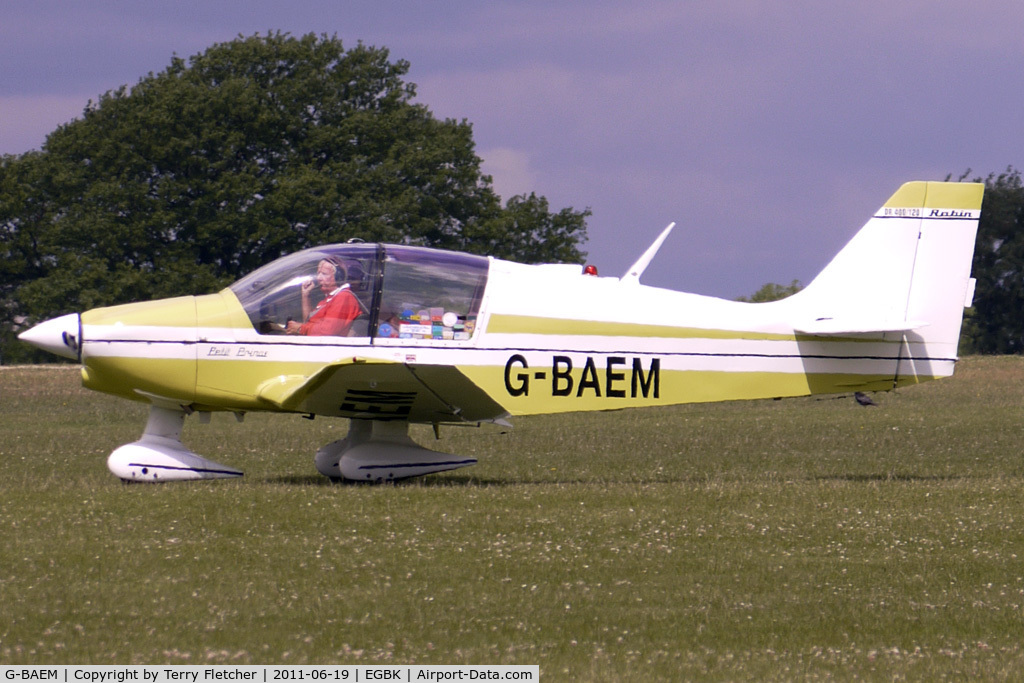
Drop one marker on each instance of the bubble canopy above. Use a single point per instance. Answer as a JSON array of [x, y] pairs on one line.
[[403, 292]]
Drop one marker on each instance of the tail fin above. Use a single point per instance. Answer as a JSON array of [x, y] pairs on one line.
[[907, 272]]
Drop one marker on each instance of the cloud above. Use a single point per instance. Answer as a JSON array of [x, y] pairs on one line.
[[510, 171], [27, 120]]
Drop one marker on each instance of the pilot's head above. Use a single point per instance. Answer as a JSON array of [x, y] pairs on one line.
[[330, 274]]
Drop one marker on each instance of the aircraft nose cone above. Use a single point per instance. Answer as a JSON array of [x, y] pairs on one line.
[[61, 336]]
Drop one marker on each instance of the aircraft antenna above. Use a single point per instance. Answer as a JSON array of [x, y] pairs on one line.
[[632, 275]]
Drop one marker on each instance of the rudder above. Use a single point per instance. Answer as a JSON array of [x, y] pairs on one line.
[[905, 274], [941, 285]]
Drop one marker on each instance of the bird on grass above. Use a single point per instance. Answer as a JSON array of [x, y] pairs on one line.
[[863, 399]]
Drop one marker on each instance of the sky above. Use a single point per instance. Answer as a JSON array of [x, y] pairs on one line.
[[768, 131]]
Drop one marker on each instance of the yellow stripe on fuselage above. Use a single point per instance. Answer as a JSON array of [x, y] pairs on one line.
[[563, 327]]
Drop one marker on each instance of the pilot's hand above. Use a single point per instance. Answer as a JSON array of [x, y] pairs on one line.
[[308, 286], [293, 327]]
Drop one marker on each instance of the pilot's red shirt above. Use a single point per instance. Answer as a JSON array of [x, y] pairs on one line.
[[333, 315]]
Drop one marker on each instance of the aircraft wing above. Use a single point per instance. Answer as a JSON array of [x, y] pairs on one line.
[[383, 390]]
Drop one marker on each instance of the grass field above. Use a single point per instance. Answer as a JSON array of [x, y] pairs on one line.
[[788, 539]]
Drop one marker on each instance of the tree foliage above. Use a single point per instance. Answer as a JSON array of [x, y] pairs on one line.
[[995, 323], [253, 149], [773, 292]]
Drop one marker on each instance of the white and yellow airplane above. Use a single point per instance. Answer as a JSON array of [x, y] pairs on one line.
[[438, 337]]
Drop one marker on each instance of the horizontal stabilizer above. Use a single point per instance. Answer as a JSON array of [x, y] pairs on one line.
[[836, 326]]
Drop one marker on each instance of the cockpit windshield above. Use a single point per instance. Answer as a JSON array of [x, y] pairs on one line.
[[367, 290]]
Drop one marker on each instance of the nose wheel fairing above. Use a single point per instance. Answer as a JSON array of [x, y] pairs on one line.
[[161, 456]]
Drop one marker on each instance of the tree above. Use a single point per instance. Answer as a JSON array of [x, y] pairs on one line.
[[255, 148], [995, 323], [528, 231], [772, 292]]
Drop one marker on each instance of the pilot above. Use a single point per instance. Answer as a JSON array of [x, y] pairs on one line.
[[334, 314]]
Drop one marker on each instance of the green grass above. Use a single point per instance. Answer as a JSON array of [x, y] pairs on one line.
[[789, 539]]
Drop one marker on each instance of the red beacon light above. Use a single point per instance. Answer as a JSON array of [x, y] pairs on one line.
[[590, 270]]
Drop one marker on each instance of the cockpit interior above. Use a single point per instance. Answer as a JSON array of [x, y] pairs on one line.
[[403, 292]]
